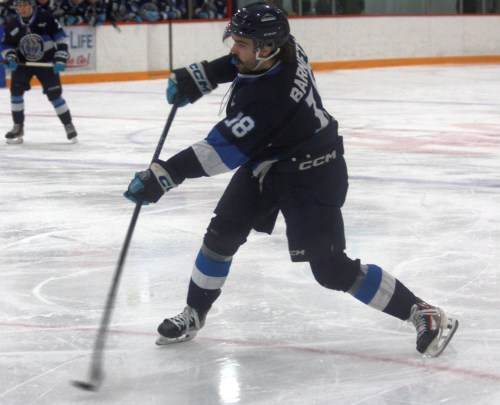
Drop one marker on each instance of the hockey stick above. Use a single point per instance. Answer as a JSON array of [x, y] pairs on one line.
[[115, 26], [96, 374], [32, 64]]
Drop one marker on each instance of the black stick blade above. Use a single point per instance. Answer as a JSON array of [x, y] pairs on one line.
[[86, 386]]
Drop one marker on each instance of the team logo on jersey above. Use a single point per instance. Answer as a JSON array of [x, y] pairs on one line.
[[31, 47]]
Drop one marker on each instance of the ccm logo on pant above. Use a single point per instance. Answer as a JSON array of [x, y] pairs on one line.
[[308, 164]]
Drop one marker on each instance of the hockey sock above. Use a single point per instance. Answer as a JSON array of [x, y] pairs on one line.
[[209, 275], [62, 110], [17, 107], [201, 299], [378, 289]]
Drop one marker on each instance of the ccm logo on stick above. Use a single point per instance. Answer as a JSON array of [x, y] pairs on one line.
[[308, 164]]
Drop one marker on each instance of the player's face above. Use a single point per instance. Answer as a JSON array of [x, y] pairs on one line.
[[244, 50], [24, 9]]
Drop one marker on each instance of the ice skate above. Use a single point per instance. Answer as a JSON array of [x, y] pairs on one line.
[[180, 328], [434, 328], [15, 135], [71, 132]]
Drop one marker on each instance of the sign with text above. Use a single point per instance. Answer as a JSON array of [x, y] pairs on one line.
[[81, 41]]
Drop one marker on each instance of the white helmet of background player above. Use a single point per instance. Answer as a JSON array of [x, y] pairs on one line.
[[262, 22]]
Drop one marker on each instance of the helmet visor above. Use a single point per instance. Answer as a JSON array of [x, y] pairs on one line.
[[227, 36], [228, 40]]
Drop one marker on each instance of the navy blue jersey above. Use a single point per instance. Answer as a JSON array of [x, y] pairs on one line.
[[36, 40], [271, 116]]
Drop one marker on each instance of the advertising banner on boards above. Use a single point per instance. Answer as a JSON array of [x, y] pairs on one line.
[[81, 41]]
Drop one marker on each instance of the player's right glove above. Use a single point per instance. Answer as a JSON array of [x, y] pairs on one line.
[[189, 84], [150, 184], [11, 60]]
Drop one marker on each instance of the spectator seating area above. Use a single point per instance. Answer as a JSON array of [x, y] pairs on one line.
[[97, 12]]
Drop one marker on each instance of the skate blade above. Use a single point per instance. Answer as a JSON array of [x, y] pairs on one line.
[[163, 341], [15, 141], [73, 140], [445, 335]]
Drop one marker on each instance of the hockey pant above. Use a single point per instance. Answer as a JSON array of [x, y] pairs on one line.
[[52, 88], [315, 233]]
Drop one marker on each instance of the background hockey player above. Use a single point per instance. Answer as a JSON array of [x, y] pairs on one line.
[[289, 157], [35, 36]]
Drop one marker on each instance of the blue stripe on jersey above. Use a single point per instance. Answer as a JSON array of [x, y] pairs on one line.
[[228, 153], [60, 35], [211, 268], [370, 285]]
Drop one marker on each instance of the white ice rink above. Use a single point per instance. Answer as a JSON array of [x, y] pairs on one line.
[[423, 149]]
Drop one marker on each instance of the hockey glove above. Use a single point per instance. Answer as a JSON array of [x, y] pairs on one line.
[[60, 58], [189, 83], [150, 184], [59, 67], [173, 93], [11, 60]]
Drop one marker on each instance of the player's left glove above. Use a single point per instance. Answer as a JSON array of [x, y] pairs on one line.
[[60, 58], [11, 60], [150, 184], [189, 83], [59, 67]]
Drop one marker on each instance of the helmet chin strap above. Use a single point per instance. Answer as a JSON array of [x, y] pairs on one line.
[[262, 60]]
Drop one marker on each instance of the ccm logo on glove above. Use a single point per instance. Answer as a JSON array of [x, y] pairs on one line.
[[197, 73]]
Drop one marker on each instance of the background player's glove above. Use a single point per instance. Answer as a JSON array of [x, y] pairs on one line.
[[11, 60], [59, 67], [189, 83], [60, 58], [150, 184]]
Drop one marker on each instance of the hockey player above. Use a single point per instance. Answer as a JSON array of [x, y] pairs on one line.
[[35, 36], [289, 157]]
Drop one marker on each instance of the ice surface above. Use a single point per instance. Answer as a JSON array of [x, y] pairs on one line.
[[423, 149]]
